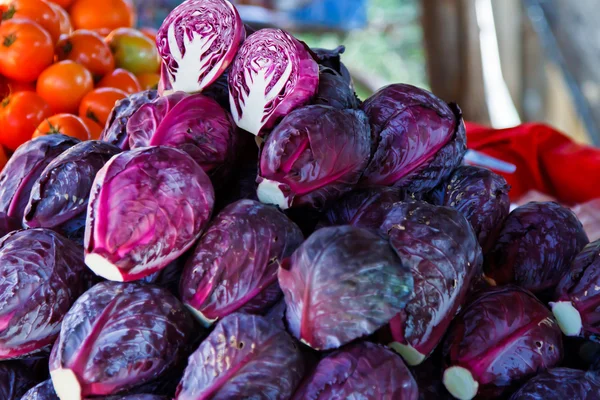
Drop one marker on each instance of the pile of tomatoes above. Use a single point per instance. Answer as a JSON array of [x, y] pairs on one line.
[[64, 64]]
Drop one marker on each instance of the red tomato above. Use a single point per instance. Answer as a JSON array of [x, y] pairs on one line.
[[64, 84], [94, 128], [3, 158], [133, 51], [89, 49], [67, 124], [149, 81], [20, 114], [121, 79], [63, 17], [98, 104], [96, 14], [38, 11]]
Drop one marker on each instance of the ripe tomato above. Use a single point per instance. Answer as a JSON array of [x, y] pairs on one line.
[[36, 10], [104, 32], [95, 14], [63, 17], [63, 85], [7, 87], [149, 81], [20, 114], [98, 104], [67, 124], [133, 51], [63, 3], [94, 128], [26, 49], [3, 158], [88, 49], [121, 79]]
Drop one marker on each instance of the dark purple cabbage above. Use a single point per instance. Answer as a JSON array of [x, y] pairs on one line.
[[561, 384], [147, 207], [535, 247], [276, 314], [8, 224], [315, 155], [136, 397], [42, 275], [15, 380], [24, 168], [335, 91], [242, 185], [74, 229], [62, 191], [333, 59], [428, 375], [306, 218], [418, 139], [169, 277], [341, 284], [501, 339], [363, 208], [481, 196], [43, 391], [115, 131], [235, 263], [219, 90], [441, 249], [246, 356], [118, 336], [576, 303], [360, 371]]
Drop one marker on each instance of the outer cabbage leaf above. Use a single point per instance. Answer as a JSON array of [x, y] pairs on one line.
[[24, 168], [43, 391], [335, 91], [195, 124], [316, 154], [341, 284], [441, 249], [499, 340], [62, 191], [360, 371], [115, 131], [273, 73], [8, 224], [429, 378], [118, 336], [14, 381], [276, 314], [419, 140], [197, 42], [235, 262], [481, 196], [535, 247], [242, 185], [561, 384], [246, 356], [333, 59], [147, 207], [42, 275], [219, 90]]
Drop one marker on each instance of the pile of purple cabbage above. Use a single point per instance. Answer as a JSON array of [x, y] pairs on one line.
[[253, 230]]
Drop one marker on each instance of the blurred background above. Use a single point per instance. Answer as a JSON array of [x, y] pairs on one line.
[[503, 61]]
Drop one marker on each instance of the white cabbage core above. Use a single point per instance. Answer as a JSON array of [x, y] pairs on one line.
[[205, 322], [568, 317], [460, 383], [103, 268], [268, 192], [411, 355], [66, 385]]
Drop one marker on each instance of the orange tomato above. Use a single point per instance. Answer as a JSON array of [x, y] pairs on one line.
[[94, 128], [88, 49], [63, 3], [121, 79], [36, 10], [95, 14], [8, 86], [150, 33], [3, 158], [63, 17], [98, 104], [20, 114], [64, 84], [149, 81], [67, 124], [26, 49], [133, 51], [104, 32]]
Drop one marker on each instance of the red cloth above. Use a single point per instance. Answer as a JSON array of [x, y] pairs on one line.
[[547, 161]]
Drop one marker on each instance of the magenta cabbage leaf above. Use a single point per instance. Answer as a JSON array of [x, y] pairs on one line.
[[14, 381], [561, 384], [197, 42], [273, 73], [24, 168], [236, 261], [194, 123], [441, 249], [499, 340], [535, 247], [360, 371], [118, 336], [316, 154], [147, 207], [419, 140], [341, 284], [246, 356], [115, 131]]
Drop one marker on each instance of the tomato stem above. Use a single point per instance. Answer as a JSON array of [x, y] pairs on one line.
[[9, 13]]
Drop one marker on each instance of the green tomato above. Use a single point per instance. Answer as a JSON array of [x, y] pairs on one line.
[[133, 51]]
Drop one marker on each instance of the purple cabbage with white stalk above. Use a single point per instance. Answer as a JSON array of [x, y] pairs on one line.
[[197, 42], [273, 73]]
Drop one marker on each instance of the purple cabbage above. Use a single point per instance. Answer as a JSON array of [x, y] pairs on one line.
[[441, 249], [360, 371], [418, 139], [24, 168], [115, 131], [118, 336], [315, 155], [62, 191], [341, 284], [219, 90], [197, 42], [43, 391], [246, 356], [194, 123], [428, 375], [42, 275], [561, 384], [8, 224], [147, 207], [501, 339], [273, 73], [235, 263], [332, 59], [535, 247], [335, 91], [14, 381]]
